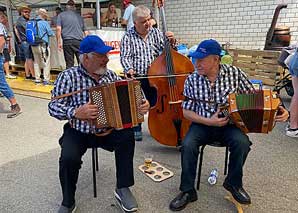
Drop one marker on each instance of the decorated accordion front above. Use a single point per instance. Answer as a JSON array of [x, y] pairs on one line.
[[254, 112], [118, 104]]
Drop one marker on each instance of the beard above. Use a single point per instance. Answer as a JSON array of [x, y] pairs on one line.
[[100, 71]]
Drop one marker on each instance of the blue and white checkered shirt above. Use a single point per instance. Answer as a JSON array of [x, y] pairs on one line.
[[137, 53], [70, 80], [204, 99]]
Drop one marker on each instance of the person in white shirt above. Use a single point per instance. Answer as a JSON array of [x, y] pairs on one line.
[[127, 17]]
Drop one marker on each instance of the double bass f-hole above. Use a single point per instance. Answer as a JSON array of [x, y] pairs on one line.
[[162, 99]]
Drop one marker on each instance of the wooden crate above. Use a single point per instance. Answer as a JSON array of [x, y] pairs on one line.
[[258, 64]]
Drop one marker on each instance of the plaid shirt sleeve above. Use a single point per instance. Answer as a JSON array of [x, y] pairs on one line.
[[60, 108], [188, 93], [245, 86], [126, 53]]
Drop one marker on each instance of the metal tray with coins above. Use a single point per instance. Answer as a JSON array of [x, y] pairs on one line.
[[156, 171]]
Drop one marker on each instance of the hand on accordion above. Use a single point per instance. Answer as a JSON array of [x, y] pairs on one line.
[[87, 111], [217, 120], [144, 108], [282, 114]]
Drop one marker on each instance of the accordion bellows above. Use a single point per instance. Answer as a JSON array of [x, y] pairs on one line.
[[118, 104], [254, 112]]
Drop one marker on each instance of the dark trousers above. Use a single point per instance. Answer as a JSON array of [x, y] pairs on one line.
[[198, 135], [151, 96], [74, 144], [70, 49]]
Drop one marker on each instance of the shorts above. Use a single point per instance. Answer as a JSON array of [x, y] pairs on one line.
[[26, 48], [6, 55]]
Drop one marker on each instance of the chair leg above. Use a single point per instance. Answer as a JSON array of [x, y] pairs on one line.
[[200, 166], [226, 160], [96, 156], [94, 151]]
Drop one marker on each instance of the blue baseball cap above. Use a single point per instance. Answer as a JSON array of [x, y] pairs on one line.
[[92, 43], [206, 48]]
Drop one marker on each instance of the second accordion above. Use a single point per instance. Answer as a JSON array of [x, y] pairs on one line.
[[118, 104], [254, 112]]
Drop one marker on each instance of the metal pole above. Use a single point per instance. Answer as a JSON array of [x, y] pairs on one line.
[[10, 23], [97, 15]]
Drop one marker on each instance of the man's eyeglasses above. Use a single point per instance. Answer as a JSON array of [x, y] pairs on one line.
[[26, 11]]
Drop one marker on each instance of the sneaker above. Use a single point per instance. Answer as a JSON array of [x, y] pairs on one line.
[[15, 111], [138, 136], [126, 200], [37, 81], [292, 133], [64, 209], [28, 78], [9, 76], [47, 83]]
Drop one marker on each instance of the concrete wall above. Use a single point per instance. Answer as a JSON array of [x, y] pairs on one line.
[[244, 23]]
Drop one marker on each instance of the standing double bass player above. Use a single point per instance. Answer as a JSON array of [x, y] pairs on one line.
[[140, 46]]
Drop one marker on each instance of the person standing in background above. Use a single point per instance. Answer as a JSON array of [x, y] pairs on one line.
[[54, 19], [4, 87], [20, 30], [127, 19], [292, 128], [70, 31], [7, 48], [41, 52]]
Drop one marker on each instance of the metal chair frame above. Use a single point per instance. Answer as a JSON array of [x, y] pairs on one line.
[[215, 144], [94, 169]]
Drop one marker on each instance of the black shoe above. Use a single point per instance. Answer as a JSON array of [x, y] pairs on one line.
[[182, 200], [239, 194]]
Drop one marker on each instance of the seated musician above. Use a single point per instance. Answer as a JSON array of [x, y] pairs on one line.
[[211, 83], [78, 133]]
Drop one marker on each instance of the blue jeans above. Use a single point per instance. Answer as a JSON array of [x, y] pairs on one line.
[[4, 87], [198, 135]]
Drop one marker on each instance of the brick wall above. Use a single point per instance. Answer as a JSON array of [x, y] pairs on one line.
[[244, 23]]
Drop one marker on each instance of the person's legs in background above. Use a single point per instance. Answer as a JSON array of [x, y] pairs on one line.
[[47, 64], [37, 58], [29, 70], [8, 93], [6, 64], [71, 49], [293, 130]]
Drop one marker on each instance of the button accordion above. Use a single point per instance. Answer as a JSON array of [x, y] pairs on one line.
[[254, 112], [118, 104]]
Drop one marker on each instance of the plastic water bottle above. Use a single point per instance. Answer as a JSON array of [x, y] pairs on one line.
[[213, 177]]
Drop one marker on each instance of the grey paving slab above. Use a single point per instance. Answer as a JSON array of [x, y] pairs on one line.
[[29, 181]]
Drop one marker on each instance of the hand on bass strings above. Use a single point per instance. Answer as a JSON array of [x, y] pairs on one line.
[[159, 3], [282, 114], [215, 120], [87, 111], [171, 37], [144, 108]]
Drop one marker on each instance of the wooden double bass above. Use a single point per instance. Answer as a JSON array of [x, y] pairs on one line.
[[166, 122]]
